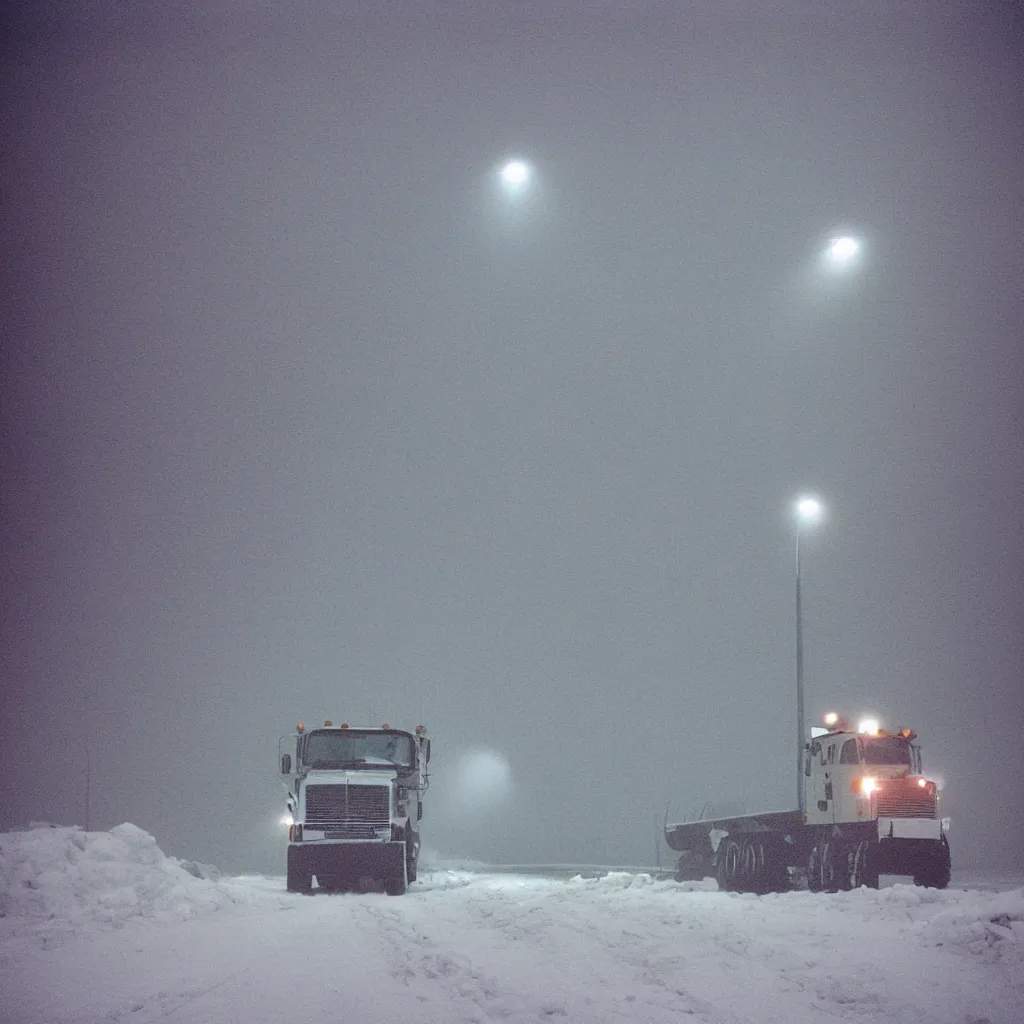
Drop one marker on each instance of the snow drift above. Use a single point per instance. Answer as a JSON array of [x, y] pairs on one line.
[[58, 881]]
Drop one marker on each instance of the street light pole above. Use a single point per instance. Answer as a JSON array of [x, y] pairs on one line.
[[800, 794], [808, 510]]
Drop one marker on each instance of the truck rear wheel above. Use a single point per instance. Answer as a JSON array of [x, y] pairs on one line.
[[774, 877], [729, 865], [688, 868]]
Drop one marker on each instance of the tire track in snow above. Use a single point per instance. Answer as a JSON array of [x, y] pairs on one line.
[[521, 953]]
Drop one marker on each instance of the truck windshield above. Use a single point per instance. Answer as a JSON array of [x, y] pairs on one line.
[[886, 750], [352, 748]]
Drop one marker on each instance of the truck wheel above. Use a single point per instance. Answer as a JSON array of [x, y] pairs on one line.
[[727, 869], [863, 873], [835, 865], [934, 868], [774, 877], [814, 874], [300, 878], [689, 867], [752, 861]]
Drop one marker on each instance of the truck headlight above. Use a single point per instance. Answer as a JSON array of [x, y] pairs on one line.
[[864, 786]]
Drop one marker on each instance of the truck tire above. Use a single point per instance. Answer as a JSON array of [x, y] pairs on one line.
[[729, 865], [690, 867], [835, 866], [934, 868], [300, 878], [814, 874], [752, 865], [774, 876], [862, 870]]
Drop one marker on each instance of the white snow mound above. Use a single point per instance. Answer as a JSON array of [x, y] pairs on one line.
[[59, 881]]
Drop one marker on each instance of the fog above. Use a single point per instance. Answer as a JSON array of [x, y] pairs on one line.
[[307, 415]]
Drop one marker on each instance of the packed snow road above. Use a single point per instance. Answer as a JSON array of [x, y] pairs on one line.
[[107, 938]]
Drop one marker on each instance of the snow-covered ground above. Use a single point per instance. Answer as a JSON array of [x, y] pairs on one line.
[[103, 927]]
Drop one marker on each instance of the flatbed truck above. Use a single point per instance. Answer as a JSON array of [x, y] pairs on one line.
[[868, 811]]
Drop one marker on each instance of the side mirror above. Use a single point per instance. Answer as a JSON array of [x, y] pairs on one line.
[[286, 764], [807, 766], [419, 811], [428, 751]]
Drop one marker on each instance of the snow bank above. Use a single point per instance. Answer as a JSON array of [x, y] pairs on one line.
[[992, 924], [59, 881]]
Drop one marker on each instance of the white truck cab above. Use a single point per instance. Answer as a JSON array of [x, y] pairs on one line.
[[867, 786], [355, 800]]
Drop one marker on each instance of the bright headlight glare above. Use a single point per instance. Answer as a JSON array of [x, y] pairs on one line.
[[865, 786]]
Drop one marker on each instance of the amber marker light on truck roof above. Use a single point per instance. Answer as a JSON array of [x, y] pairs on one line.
[[831, 719], [869, 726]]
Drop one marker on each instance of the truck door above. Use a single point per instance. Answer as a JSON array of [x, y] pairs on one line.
[[821, 801], [844, 776], [828, 779]]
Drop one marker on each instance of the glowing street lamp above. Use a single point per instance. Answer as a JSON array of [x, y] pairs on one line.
[[516, 175], [808, 512], [842, 252]]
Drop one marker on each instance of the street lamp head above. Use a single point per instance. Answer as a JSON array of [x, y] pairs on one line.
[[843, 251], [515, 174], [809, 510]]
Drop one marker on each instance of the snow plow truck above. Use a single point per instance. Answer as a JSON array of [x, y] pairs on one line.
[[355, 800], [866, 809]]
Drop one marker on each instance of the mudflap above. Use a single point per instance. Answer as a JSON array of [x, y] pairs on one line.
[[361, 867]]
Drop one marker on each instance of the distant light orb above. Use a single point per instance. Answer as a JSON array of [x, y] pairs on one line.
[[843, 250], [809, 510], [516, 173], [483, 778]]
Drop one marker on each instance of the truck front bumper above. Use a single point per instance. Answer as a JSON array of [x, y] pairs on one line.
[[909, 828], [345, 864]]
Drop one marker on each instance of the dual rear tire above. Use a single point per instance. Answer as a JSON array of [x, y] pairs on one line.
[[750, 864], [836, 865]]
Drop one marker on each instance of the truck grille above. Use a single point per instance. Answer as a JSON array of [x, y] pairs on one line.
[[904, 798], [348, 812]]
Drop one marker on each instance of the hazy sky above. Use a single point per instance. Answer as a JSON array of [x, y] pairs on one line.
[[305, 418]]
